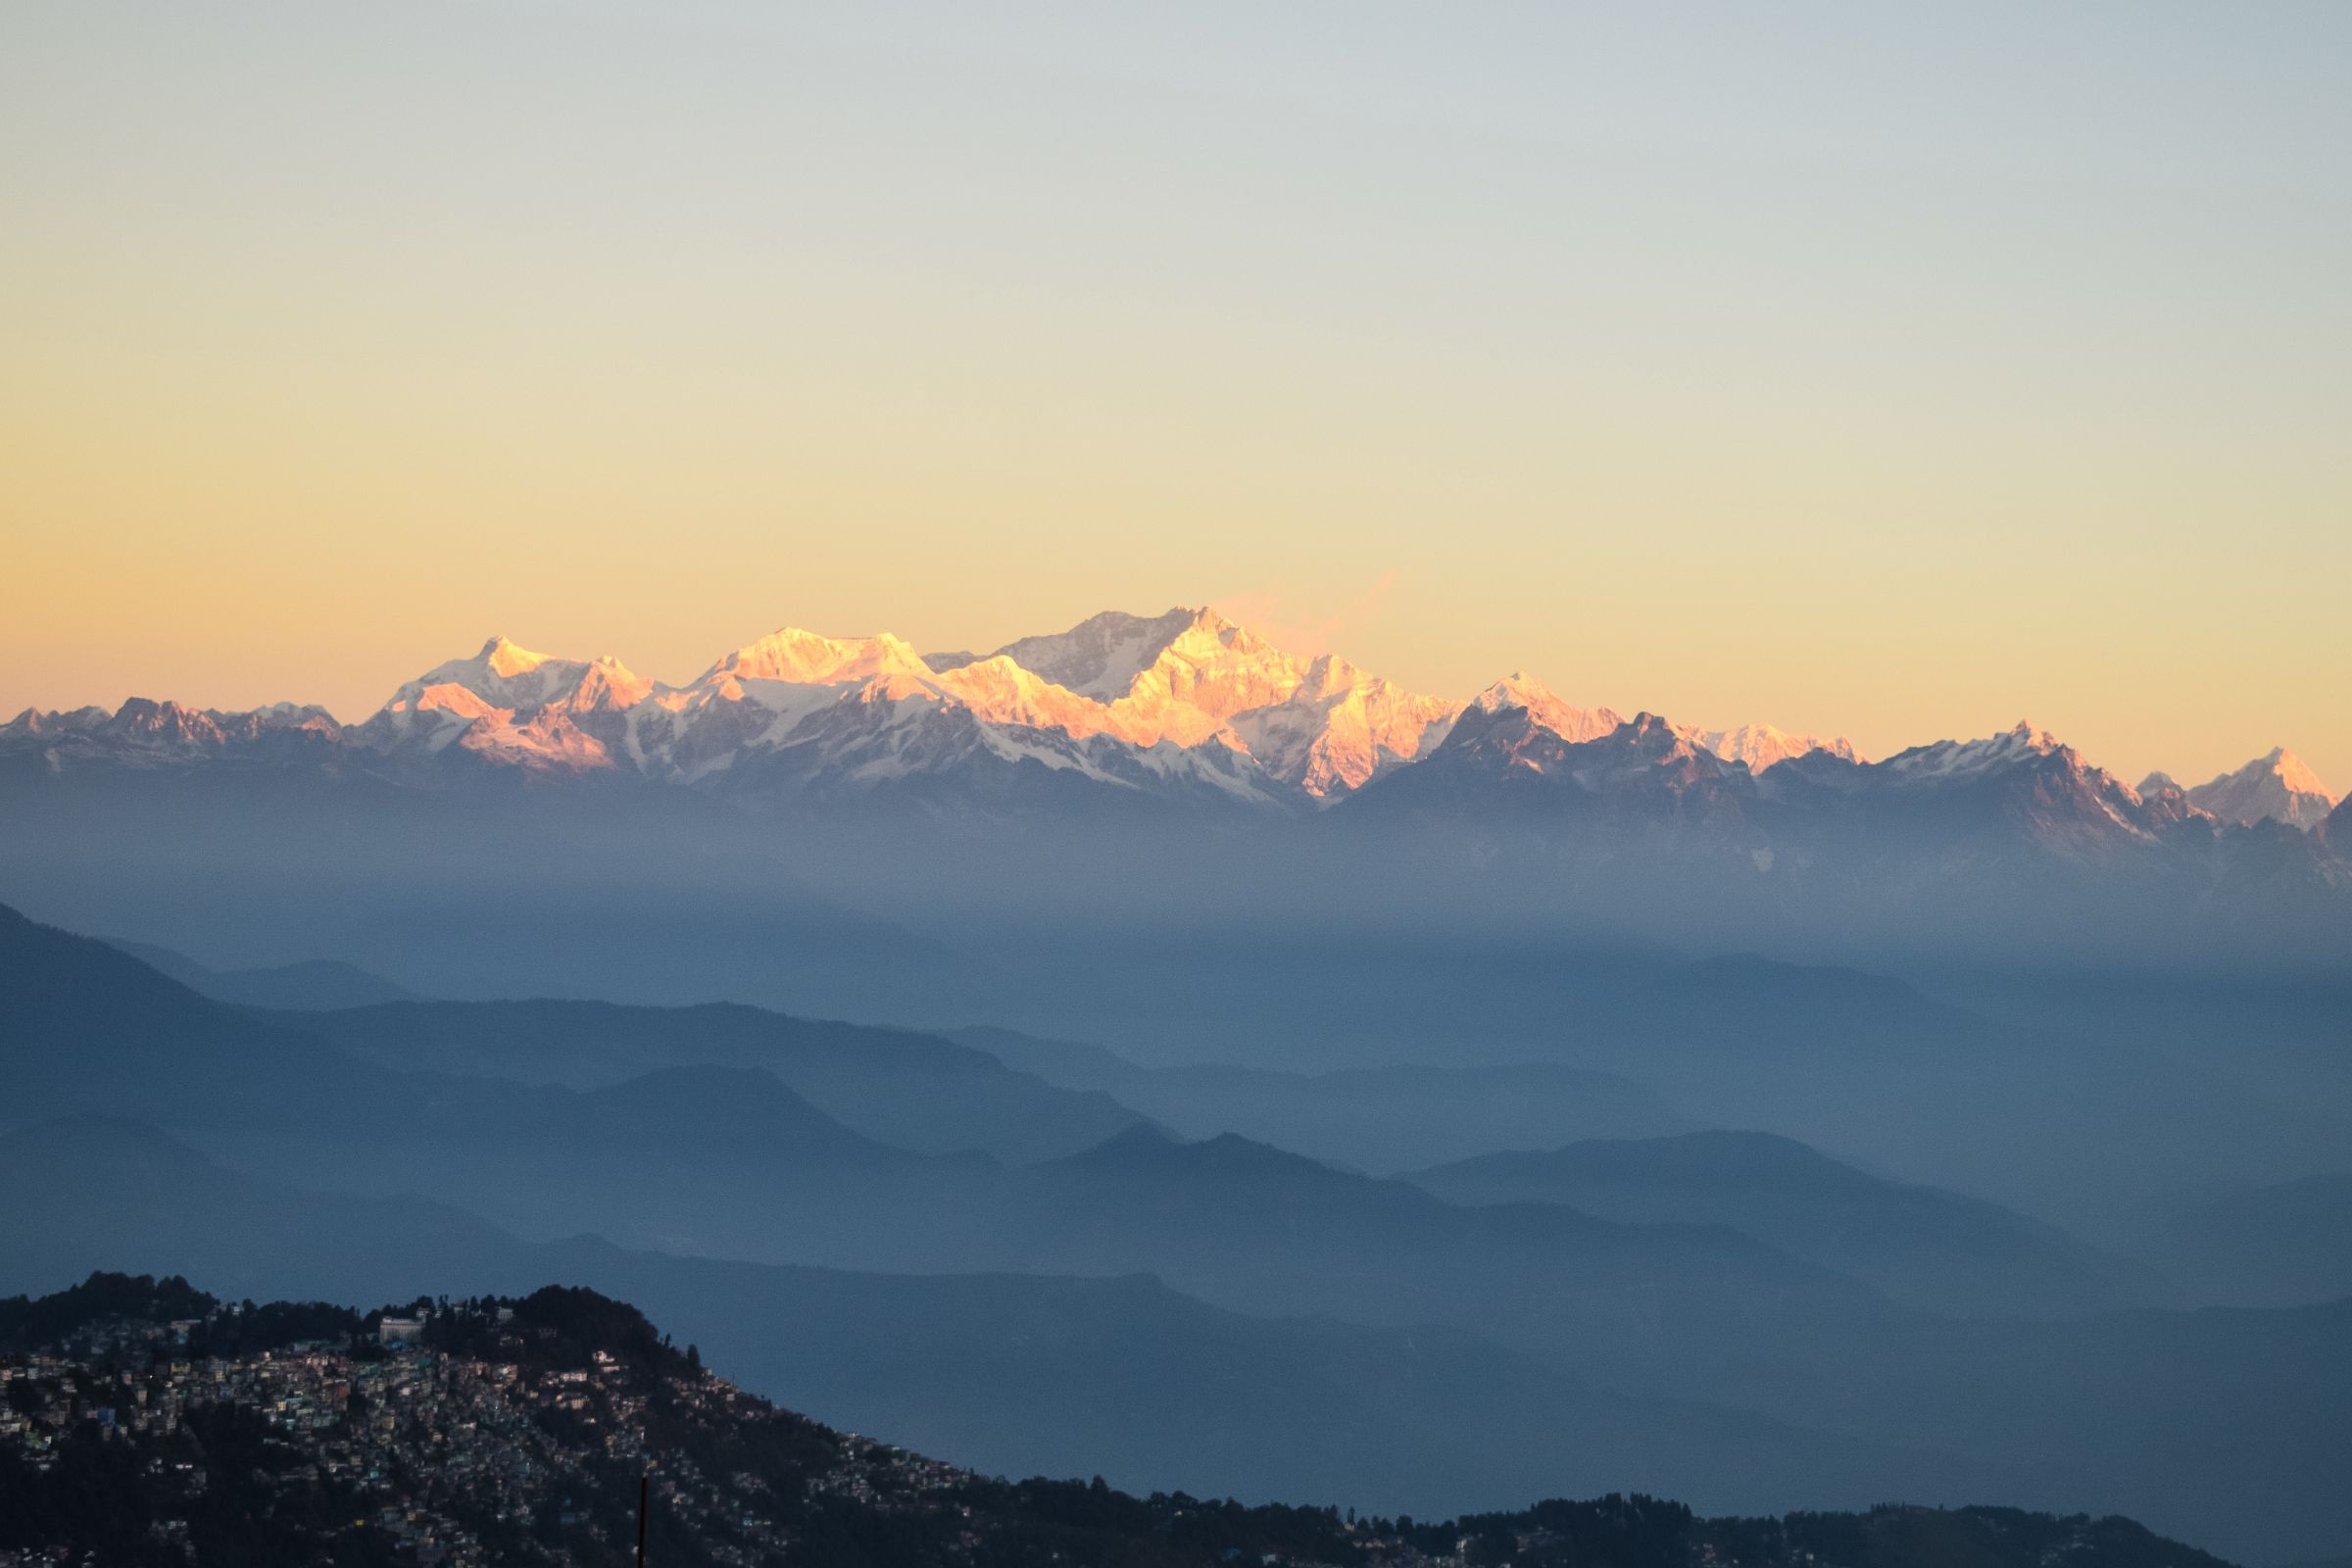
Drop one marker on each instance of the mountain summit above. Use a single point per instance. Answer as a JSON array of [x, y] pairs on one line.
[[2277, 786]]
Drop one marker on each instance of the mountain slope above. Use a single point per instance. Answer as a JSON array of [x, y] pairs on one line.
[[84, 1027], [915, 1090], [315, 985], [1933, 1248], [1381, 1119]]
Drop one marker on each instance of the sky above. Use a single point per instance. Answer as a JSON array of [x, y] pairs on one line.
[[1892, 371]]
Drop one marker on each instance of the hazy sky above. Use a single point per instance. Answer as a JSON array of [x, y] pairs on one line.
[[1888, 370]]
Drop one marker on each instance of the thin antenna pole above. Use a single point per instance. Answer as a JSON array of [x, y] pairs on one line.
[[645, 1489]]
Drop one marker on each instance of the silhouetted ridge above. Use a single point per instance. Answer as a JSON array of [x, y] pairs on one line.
[[696, 1111], [48, 971], [1140, 1142], [1917, 1243], [900, 1087], [1149, 1150]]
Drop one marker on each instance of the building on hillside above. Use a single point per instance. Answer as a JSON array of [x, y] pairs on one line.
[[399, 1330]]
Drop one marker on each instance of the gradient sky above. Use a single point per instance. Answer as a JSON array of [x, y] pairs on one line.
[[1900, 372]]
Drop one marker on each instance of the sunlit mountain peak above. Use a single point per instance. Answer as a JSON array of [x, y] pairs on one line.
[[811, 658], [2277, 786], [1542, 705]]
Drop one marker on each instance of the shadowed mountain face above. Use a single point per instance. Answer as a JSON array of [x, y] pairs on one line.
[[1932, 1249], [1642, 773], [84, 1027]]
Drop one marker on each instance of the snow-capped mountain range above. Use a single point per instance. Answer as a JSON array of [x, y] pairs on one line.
[[1186, 705]]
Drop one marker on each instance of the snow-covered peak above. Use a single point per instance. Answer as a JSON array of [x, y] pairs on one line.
[[1216, 667], [144, 733], [807, 659], [1518, 689], [2033, 737], [1330, 675], [608, 683], [498, 660], [508, 659], [1102, 655], [510, 706], [1545, 706], [1195, 657], [1958, 759], [2028, 778], [1341, 727], [1762, 745], [1001, 691], [452, 697], [2278, 787], [1193, 678], [284, 714], [506, 675], [2296, 774], [35, 722]]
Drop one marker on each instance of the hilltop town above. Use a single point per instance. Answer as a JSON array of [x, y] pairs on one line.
[[145, 1422]]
